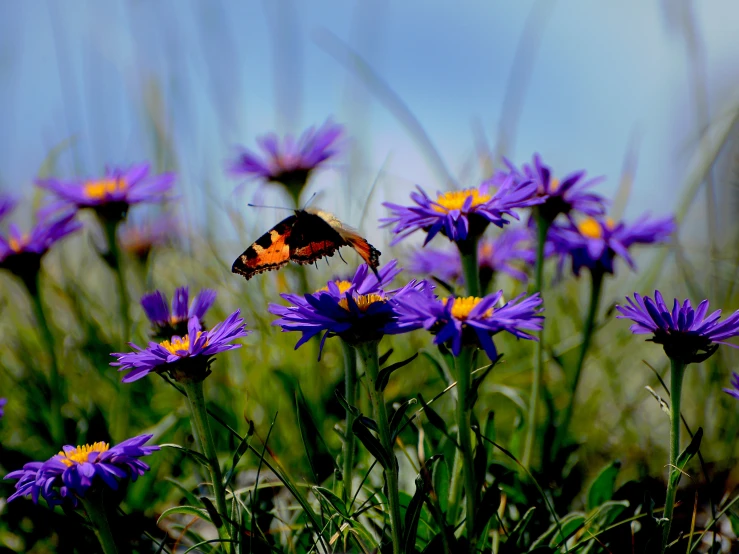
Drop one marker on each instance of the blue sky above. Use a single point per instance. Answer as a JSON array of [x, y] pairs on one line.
[[223, 72]]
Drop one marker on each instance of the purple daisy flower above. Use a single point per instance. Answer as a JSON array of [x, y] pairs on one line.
[[168, 322], [357, 312], [462, 213], [494, 255], [292, 161], [686, 334], [184, 358], [3, 401], [364, 281], [469, 321], [734, 391], [595, 242], [74, 471], [140, 238], [564, 196], [21, 253], [111, 195], [7, 204]]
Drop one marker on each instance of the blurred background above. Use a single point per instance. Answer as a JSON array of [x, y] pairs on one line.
[[430, 93]]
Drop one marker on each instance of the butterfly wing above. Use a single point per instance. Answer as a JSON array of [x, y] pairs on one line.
[[312, 238], [349, 237], [270, 251]]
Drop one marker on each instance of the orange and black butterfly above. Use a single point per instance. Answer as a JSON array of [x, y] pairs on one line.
[[303, 238]]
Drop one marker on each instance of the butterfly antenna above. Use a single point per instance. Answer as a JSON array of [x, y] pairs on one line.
[[309, 200], [342, 257], [272, 207]]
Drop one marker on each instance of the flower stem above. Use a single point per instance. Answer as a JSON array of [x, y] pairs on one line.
[[587, 334], [96, 513], [368, 353], [114, 259], [677, 372], [350, 393], [201, 425], [470, 267], [464, 423], [542, 227], [56, 385]]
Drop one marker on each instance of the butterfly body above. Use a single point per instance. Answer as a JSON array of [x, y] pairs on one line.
[[303, 238]]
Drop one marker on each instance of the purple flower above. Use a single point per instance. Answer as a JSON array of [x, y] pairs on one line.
[[595, 242], [184, 358], [140, 238], [291, 162], [168, 322], [357, 311], [458, 321], [686, 334], [7, 204], [462, 213], [74, 471], [21, 253], [494, 255], [734, 391], [364, 281], [3, 401], [111, 195], [564, 196]]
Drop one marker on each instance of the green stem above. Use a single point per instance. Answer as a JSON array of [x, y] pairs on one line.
[[677, 372], [455, 488], [470, 266], [368, 353], [56, 385], [96, 513], [587, 334], [201, 425], [114, 258], [464, 424], [350, 393], [542, 226]]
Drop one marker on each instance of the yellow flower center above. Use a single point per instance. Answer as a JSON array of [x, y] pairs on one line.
[[17, 245], [363, 301], [486, 251], [80, 454], [178, 345], [590, 228], [455, 200], [464, 305], [100, 189], [553, 184], [343, 286]]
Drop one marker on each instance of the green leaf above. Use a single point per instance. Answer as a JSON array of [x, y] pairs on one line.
[[487, 508], [334, 500], [197, 456], [185, 510], [215, 517], [441, 480], [412, 515], [687, 454], [397, 418], [362, 432], [240, 451], [475, 386], [320, 458], [512, 543], [602, 488], [384, 357], [191, 498], [434, 419], [569, 524], [345, 404], [384, 376]]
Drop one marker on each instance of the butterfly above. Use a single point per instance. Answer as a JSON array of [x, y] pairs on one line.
[[303, 238]]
